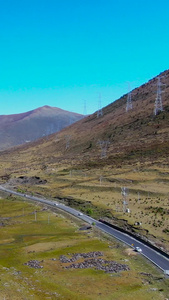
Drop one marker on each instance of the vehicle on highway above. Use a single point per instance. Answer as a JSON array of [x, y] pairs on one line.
[[138, 249], [154, 254]]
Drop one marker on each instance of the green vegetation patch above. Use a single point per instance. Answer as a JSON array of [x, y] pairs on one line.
[[32, 241]]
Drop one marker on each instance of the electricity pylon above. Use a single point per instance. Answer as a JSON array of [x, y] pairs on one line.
[[124, 193], [129, 104], [103, 146], [158, 102], [67, 141], [99, 112]]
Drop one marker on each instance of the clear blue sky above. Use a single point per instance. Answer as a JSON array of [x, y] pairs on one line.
[[64, 52]]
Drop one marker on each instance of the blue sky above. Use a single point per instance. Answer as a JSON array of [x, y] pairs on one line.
[[64, 53]]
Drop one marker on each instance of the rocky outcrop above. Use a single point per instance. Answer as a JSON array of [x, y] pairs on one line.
[[93, 260], [34, 264]]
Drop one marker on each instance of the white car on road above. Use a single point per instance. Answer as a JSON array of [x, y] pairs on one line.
[[138, 249]]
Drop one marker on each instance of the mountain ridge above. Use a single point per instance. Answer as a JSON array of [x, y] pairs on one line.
[[87, 164], [17, 129], [136, 129]]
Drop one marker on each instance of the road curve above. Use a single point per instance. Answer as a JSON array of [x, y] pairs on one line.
[[156, 258]]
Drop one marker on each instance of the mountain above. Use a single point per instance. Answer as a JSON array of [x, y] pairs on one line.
[[104, 164], [132, 134], [21, 128]]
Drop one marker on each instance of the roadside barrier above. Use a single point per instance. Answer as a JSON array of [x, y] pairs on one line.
[[136, 237]]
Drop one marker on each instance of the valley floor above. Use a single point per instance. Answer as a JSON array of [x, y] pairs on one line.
[[44, 255], [135, 198]]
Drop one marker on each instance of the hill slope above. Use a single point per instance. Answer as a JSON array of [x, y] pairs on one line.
[[136, 132], [29, 126], [87, 164], [132, 134]]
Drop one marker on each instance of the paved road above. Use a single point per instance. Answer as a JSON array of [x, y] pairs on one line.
[[155, 257]]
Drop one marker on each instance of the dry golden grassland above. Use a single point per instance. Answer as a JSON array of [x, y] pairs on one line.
[[47, 235], [147, 194]]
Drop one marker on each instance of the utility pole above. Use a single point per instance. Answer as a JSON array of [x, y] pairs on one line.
[[158, 101]]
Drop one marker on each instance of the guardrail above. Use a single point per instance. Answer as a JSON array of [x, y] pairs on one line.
[[136, 238], [104, 222]]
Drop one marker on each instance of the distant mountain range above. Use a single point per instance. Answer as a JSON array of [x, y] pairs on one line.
[[21, 128]]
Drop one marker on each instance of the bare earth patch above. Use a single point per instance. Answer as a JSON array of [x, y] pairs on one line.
[[130, 252], [41, 247]]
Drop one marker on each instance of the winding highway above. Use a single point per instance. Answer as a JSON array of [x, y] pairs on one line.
[[156, 258]]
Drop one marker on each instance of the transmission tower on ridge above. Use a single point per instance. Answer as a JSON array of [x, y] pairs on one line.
[[67, 141], [99, 112], [158, 102], [129, 104]]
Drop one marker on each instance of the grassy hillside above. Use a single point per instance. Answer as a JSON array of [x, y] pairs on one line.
[[87, 164]]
